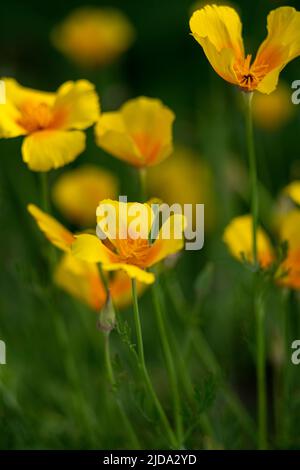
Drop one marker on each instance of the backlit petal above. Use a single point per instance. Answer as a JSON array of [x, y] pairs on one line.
[[218, 30], [133, 272], [79, 102], [45, 150], [280, 47], [55, 232], [90, 248]]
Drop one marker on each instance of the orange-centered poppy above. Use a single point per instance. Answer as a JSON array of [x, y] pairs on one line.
[[218, 29]]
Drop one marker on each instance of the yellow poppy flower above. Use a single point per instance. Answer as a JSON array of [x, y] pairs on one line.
[[171, 182], [82, 281], [94, 36], [130, 250], [293, 191], [79, 278], [238, 238], [272, 112], [52, 122], [140, 133], [218, 29], [77, 193], [290, 232]]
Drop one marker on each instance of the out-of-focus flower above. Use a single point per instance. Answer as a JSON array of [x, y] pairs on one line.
[[129, 246], [290, 232], [94, 37], [218, 29], [79, 278], [140, 133], [171, 182], [238, 238], [77, 193], [53, 123], [271, 112], [293, 191]]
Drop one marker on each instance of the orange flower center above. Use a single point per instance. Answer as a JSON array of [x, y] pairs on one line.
[[133, 251], [148, 148], [249, 76], [39, 116]]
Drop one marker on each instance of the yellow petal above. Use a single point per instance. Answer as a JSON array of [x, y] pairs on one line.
[[80, 104], [16, 95], [81, 280], [77, 193], [111, 135], [55, 232], [46, 150], [134, 272], [117, 219], [238, 238], [89, 248], [293, 191], [289, 229], [280, 47], [140, 133], [218, 30], [163, 247]]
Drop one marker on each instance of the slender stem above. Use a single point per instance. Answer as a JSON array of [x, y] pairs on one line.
[[113, 384], [142, 364], [158, 304], [143, 183], [261, 372], [258, 297], [45, 191], [253, 174]]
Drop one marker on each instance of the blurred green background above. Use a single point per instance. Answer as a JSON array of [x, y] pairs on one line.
[[53, 390]]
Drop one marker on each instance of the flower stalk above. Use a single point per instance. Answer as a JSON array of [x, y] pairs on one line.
[[148, 384]]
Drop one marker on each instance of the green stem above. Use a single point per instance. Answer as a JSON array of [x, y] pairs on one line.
[[261, 372], [45, 197], [113, 384], [143, 184], [253, 174], [157, 297], [140, 344]]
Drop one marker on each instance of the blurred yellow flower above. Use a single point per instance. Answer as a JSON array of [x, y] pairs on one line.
[[93, 36], [218, 29], [130, 252], [51, 122], [290, 232], [79, 278], [140, 133], [238, 238], [271, 112], [77, 193], [171, 182], [293, 191]]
